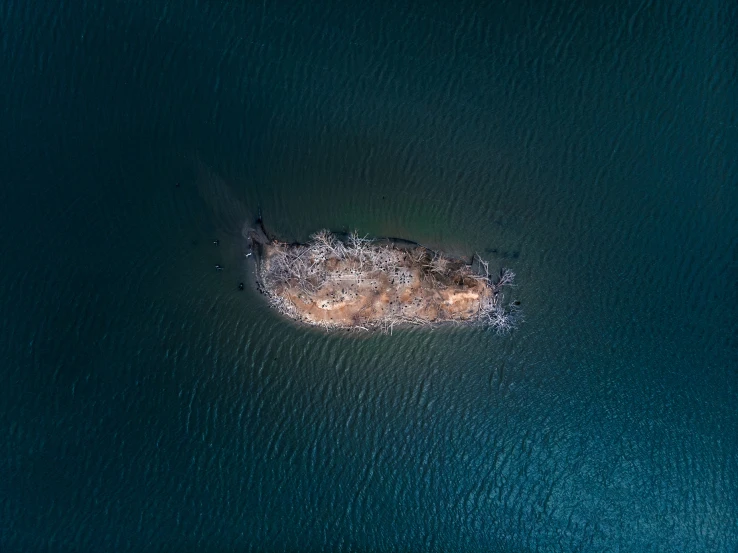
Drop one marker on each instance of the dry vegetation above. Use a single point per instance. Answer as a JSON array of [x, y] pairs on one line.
[[358, 283]]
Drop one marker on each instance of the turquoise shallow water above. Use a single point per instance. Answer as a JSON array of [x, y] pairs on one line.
[[148, 405]]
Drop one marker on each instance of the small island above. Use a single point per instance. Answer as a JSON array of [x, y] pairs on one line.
[[354, 282]]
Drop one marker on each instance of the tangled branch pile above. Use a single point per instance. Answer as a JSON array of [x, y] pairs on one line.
[[359, 283]]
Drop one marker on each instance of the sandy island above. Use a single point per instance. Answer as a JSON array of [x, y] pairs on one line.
[[360, 283]]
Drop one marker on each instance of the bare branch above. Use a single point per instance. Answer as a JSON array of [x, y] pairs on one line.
[[506, 278]]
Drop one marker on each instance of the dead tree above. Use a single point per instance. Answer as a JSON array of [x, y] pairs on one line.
[[506, 278], [439, 264]]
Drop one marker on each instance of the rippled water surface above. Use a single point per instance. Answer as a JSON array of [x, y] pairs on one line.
[[148, 405]]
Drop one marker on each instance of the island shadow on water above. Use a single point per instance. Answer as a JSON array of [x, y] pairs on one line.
[[342, 281]]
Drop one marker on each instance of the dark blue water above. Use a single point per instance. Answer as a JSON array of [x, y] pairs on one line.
[[148, 405]]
